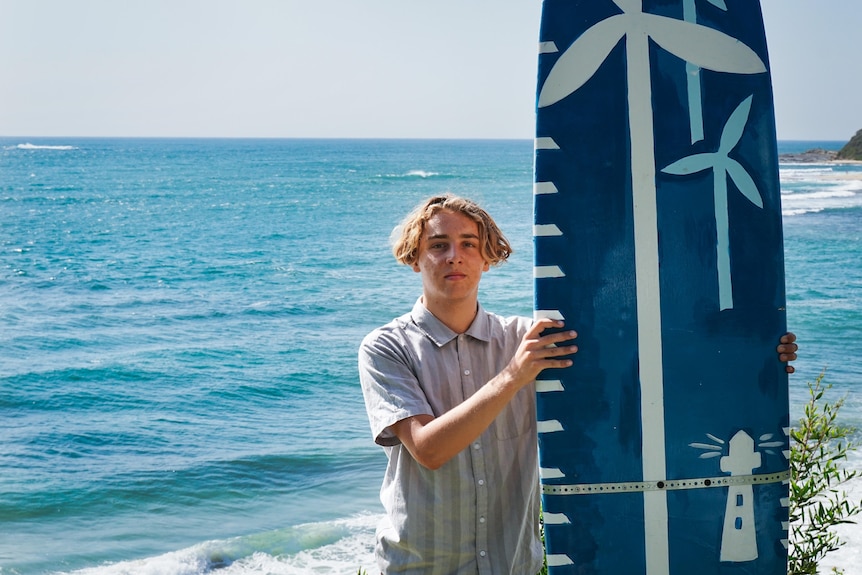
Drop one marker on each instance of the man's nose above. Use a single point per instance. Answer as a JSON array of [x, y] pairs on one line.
[[454, 254]]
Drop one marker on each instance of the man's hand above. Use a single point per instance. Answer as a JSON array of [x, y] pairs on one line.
[[787, 350], [539, 352], [433, 441]]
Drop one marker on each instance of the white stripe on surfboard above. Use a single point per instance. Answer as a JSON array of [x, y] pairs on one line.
[[544, 188], [559, 560], [551, 473], [548, 48], [549, 385], [546, 143], [546, 230], [650, 368], [555, 518], [543, 272], [550, 426], [548, 314]]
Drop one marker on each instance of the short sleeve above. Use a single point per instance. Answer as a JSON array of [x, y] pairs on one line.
[[390, 385]]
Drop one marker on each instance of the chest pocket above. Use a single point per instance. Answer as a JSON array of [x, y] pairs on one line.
[[517, 417]]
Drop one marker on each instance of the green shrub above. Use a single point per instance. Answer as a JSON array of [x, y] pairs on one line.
[[819, 447]]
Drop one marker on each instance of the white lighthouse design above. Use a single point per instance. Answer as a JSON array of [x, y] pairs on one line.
[[738, 538]]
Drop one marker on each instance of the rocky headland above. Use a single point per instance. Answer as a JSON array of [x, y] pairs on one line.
[[853, 149], [850, 153], [813, 156]]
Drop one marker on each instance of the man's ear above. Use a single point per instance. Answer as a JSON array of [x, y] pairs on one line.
[[487, 267], [415, 267]]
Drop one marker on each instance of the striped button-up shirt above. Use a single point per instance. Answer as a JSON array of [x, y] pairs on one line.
[[479, 512]]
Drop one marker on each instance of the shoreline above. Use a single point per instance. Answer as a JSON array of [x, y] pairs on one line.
[[797, 159], [820, 157], [836, 176]]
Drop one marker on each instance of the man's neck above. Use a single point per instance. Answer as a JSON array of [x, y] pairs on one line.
[[456, 315]]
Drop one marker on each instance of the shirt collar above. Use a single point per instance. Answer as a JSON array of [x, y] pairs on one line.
[[440, 334]]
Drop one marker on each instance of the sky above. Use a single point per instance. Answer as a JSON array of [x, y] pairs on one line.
[[348, 68]]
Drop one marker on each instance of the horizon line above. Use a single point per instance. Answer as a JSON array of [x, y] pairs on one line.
[[356, 138]]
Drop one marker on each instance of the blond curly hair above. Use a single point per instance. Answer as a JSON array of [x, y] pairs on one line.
[[494, 246]]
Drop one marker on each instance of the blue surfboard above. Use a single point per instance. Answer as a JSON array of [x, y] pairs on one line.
[[664, 448]]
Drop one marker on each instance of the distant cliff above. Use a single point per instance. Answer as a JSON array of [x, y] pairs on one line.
[[853, 149]]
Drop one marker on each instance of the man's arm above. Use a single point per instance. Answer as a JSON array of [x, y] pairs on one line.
[[435, 440]]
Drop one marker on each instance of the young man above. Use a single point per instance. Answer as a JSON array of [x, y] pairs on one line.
[[449, 390]]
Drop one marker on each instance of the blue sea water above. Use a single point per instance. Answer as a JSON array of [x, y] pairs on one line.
[[180, 318]]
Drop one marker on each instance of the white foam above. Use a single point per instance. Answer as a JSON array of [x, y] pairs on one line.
[[329, 548], [802, 203], [806, 174], [411, 174], [818, 188], [348, 555], [422, 174], [38, 147]]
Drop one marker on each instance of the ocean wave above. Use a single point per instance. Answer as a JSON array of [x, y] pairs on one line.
[[817, 188], [422, 173], [153, 482], [333, 547], [803, 173], [795, 203], [415, 174], [29, 146]]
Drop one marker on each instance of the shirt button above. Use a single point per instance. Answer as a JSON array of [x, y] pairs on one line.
[[481, 482], [477, 446], [481, 520], [466, 372], [482, 553]]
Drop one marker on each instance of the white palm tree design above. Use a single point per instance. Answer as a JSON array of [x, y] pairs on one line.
[[724, 167], [695, 104], [708, 49]]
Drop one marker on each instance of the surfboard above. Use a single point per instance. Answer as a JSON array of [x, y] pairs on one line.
[[664, 448]]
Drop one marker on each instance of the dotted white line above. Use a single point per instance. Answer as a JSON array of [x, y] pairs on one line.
[[669, 485]]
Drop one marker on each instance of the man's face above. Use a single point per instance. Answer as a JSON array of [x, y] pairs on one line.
[[450, 258]]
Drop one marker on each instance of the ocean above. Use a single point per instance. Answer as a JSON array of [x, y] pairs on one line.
[[180, 318]]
